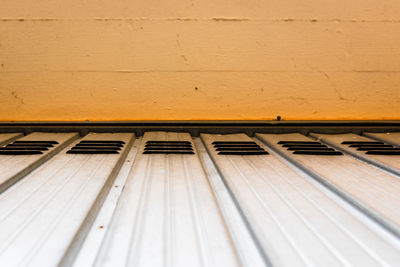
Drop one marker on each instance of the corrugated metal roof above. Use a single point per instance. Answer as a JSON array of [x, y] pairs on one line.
[[184, 203]]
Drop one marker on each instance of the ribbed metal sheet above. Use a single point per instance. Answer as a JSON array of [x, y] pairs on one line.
[[44, 216], [370, 189], [167, 214], [390, 163], [14, 168], [201, 209]]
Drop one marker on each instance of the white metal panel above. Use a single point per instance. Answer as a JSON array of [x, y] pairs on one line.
[[46, 215], [390, 163], [88, 253], [296, 220], [375, 192], [14, 167], [8, 137], [246, 244], [205, 209], [167, 215]]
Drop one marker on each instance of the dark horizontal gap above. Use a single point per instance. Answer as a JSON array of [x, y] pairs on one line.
[[240, 149], [168, 152], [27, 145], [378, 148], [303, 145], [37, 142], [317, 152], [312, 148], [168, 148], [20, 152], [96, 147], [168, 145], [92, 151], [30, 145], [361, 143], [168, 142], [98, 144], [243, 153], [234, 143], [383, 152], [23, 148], [371, 145], [243, 145], [299, 142], [102, 142]]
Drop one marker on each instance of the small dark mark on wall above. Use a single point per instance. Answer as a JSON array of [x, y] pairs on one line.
[[230, 19], [16, 97]]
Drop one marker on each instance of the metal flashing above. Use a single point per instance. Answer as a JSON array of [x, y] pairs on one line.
[[259, 204]]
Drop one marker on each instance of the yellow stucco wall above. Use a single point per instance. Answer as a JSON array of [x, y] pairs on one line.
[[211, 59]]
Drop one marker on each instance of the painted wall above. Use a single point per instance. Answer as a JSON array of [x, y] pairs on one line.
[[210, 59]]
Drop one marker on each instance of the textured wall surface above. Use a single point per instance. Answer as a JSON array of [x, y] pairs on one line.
[[211, 59]]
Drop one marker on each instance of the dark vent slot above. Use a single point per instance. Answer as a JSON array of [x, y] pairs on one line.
[[238, 148], [299, 143], [362, 143], [317, 152], [378, 148], [92, 151], [301, 146], [20, 152], [163, 148], [168, 152], [169, 142], [309, 148], [101, 142], [30, 145], [7, 148], [383, 152], [243, 153], [36, 142], [234, 143], [168, 147], [97, 147], [26, 147], [371, 145]]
